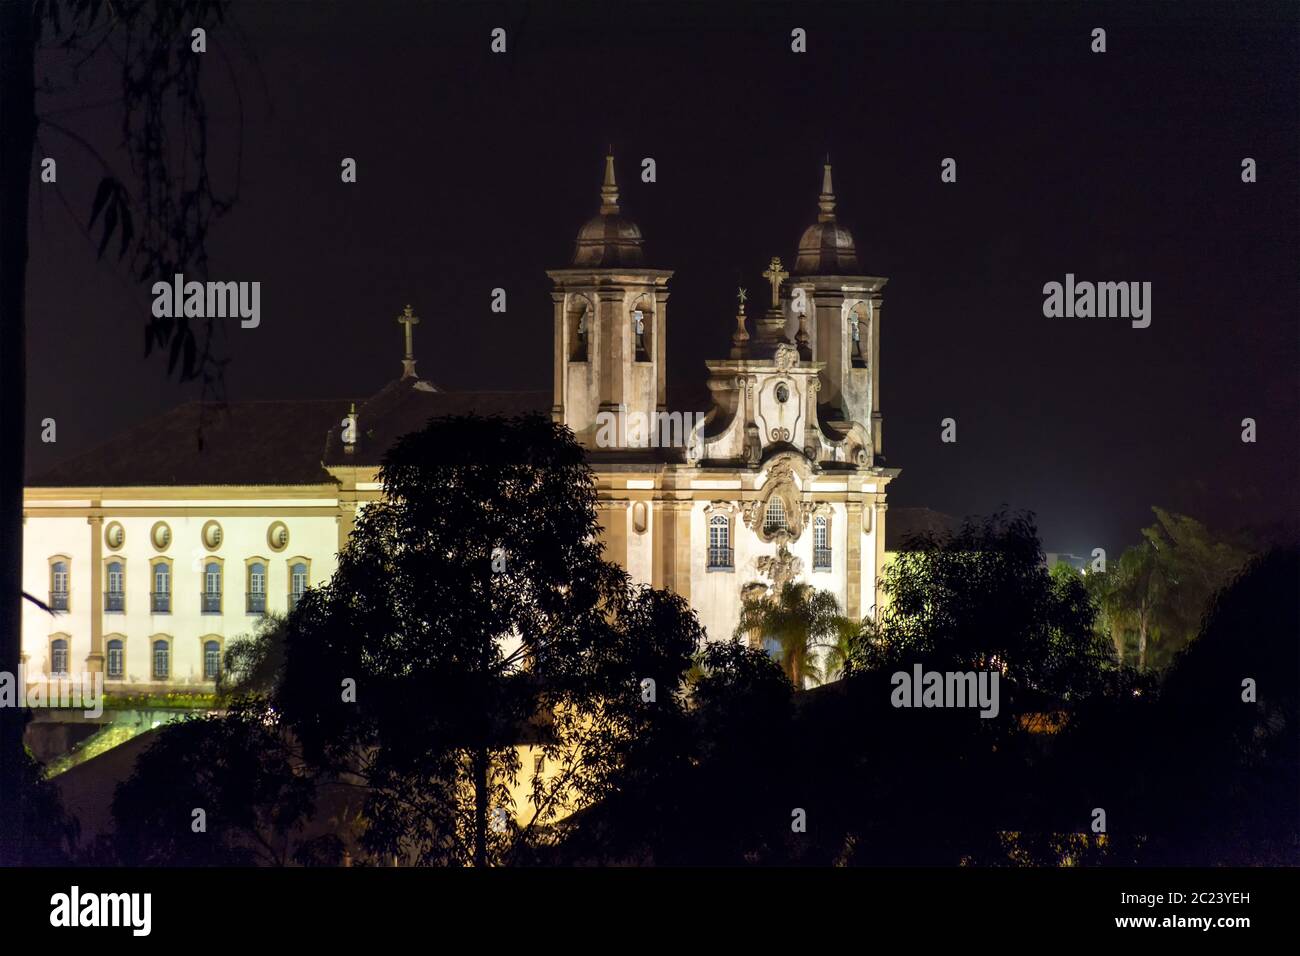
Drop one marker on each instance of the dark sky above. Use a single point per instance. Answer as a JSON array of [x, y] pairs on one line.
[[476, 170]]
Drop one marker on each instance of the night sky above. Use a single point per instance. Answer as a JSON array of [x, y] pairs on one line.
[[476, 170]]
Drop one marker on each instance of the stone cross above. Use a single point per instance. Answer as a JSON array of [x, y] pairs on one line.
[[775, 274]]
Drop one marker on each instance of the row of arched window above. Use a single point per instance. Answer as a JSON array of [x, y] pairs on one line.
[[160, 657], [160, 583], [722, 554], [581, 316]]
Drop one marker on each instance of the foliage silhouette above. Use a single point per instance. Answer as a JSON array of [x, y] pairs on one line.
[[475, 614]]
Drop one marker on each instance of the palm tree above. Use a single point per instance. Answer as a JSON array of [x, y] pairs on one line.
[[799, 619], [1139, 587]]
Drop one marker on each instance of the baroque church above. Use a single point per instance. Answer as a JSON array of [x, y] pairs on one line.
[[153, 556]]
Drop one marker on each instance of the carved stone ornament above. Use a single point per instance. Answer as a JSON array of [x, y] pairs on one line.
[[781, 567], [786, 356], [780, 483]]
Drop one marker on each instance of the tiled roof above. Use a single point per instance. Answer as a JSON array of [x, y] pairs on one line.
[[405, 405], [240, 443], [274, 442]]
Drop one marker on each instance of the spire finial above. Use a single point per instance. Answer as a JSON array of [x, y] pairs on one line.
[[740, 337], [408, 319], [826, 201], [609, 190]]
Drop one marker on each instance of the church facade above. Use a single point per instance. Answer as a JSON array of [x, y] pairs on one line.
[[152, 552]]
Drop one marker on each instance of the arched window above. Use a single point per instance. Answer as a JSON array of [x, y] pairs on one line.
[[161, 660], [720, 553], [774, 518], [58, 658], [821, 543], [211, 660], [116, 659], [858, 332], [115, 596], [640, 339], [579, 331], [212, 588], [257, 588], [297, 583], [59, 586], [160, 598]]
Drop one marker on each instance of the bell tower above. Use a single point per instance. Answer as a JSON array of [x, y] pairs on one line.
[[843, 309], [610, 323]]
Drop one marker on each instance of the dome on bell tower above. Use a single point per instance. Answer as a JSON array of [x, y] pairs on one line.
[[826, 247], [607, 240]]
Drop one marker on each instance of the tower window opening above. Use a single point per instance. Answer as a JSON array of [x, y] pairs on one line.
[[580, 335], [639, 336], [858, 352]]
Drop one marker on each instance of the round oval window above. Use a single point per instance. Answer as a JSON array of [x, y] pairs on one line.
[[782, 393], [277, 536], [114, 536], [161, 535]]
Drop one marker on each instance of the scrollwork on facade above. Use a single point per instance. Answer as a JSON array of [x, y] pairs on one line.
[[780, 483]]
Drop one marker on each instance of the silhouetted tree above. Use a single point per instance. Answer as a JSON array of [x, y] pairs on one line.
[[160, 221], [1224, 769], [472, 612], [982, 598], [253, 664], [241, 771], [1157, 591]]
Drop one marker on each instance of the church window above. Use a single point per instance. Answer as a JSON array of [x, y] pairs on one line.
[[114, 536], [720, 551], [277, 536], [58, 585], [115, 596], [821, 543], [857, 330], [58, 657], [212, 535], [782, 393], [579, 325], [211, 660], [640, 337], [161, 659], [640, 517], [256, 588], [774, 518], [212, 588], [116, 659], [161, 536], [297, 583], [160, 598]]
